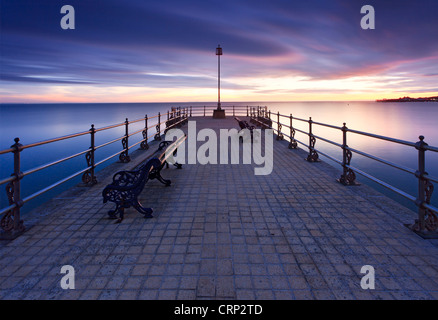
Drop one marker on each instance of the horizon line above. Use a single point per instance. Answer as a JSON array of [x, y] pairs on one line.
[[206, 102]]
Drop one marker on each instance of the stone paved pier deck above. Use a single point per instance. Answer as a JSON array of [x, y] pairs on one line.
[[220, 232]]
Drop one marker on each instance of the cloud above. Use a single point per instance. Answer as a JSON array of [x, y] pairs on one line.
[[132, 43]]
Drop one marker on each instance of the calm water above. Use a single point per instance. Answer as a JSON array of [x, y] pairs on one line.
[[37, 122]]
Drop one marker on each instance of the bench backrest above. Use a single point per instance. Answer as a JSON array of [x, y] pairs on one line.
[[171, 149]]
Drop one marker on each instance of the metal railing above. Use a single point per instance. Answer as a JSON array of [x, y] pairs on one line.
[[11, 223], [207, 111], [427, 223]]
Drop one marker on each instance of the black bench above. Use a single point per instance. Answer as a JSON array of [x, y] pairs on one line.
[[127, 185], [245, 125]]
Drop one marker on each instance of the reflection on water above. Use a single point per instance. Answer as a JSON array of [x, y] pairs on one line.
[[38, 122]]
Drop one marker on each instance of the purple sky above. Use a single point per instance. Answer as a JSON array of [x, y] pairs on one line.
[[138, 50]]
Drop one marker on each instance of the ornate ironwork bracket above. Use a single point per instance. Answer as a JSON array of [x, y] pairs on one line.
[[313, 155], [430, 219], [8, 223], [348, 177], [279, 133], [157, 136], [292, 144], [144, 144], [11, 224], [427, 223], [124, 156], [88, 177]]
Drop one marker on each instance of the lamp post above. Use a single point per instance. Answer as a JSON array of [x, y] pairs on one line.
[[219, 53], [219, 113]]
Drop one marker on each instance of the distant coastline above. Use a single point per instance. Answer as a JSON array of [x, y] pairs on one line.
[[409, 99]]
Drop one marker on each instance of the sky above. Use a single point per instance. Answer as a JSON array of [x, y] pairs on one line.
[[164, 51]]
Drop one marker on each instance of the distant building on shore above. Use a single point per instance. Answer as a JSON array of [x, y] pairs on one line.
[[409, 99]]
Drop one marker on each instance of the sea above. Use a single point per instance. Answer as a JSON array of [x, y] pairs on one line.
[[38, 122]]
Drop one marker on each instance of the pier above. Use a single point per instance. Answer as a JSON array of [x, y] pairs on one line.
[[220, 232]]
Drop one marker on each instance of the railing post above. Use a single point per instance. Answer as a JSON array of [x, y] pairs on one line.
[[313, 155], [144, 144], [348, 177], [247, 111], [168, 123], [10, 223], [279, 126], [233, 112], [88, 177], [124, 156], [292, 144], [158, 128], [421, 183], [269, 121], [190, 111], [427, 223], [204, 111]]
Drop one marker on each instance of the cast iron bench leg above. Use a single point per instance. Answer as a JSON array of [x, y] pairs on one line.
[[147, 212]]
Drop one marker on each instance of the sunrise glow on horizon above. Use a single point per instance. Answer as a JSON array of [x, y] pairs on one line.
[[165, 52]]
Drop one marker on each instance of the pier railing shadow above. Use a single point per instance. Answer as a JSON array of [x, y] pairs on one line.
[[284, 126]]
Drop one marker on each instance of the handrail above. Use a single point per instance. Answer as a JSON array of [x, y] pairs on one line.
[[175, 117], [428, 220], [400, 167], [107, 143], [110, 157], [40, 143], [328, 141], [6, 151], [40, 192], [384, 184], [202, 110], [110, 127], [47, 165], [407, 143]]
